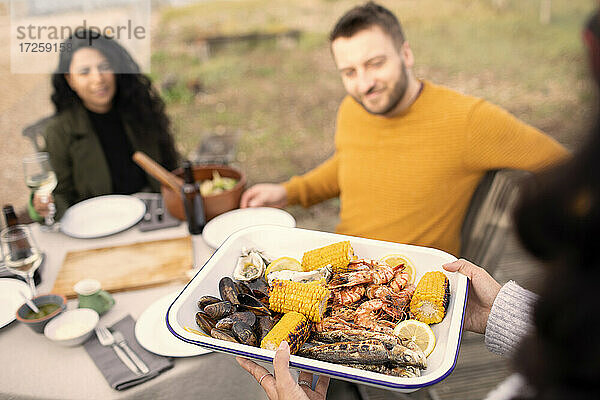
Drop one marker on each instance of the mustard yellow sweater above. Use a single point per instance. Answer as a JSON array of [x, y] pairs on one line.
[[410, 178]]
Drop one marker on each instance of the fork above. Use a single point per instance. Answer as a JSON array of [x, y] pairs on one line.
[[106, 339]]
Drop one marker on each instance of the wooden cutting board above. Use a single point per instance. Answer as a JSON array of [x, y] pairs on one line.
[[127, 267]]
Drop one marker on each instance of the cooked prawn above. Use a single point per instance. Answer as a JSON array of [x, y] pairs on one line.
[[333, 324], [379, 292], [382, 273], [400, 279], [345, 313], [361, 272], [368, 315], [347, 296], [402, 298]]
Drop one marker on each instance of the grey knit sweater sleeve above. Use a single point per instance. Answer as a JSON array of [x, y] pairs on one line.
[[510, 319]]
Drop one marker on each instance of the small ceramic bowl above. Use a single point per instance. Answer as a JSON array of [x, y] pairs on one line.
[[73, 327], [39, 324]]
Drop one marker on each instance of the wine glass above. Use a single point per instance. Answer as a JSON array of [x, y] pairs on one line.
[[40, 177], [21, 254]]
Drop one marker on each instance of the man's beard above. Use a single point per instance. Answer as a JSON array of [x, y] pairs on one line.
[[396, 96]]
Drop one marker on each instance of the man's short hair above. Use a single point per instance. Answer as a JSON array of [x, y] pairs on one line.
[[364, 17]]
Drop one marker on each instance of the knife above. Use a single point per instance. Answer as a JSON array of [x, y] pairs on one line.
[[120, 340], [107, 339]]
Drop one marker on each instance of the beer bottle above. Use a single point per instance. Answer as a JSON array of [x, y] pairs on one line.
[[10, 218], [193, 204]]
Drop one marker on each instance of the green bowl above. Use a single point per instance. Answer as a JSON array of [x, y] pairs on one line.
[[39, 324]]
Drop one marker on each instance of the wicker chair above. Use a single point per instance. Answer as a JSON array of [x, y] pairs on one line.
[[489, 218]]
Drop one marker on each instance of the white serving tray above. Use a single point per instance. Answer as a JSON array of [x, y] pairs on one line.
[[279, 241]]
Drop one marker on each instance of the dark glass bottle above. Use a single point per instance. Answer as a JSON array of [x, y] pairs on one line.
[[192, 201], [11, 219]]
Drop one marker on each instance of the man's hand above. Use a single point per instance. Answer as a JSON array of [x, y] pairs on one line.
[[482, 293], [282, 386], [264, 195], [40, 204]]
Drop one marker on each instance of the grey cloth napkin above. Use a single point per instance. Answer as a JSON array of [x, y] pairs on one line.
[[117, 375]]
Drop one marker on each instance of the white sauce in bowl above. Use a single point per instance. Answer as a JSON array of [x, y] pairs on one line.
[[71, 329]]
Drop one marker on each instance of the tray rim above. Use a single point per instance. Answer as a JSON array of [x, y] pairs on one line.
[[315, 366]]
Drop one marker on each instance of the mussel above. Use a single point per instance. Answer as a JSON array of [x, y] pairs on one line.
[[251, 303], [247, 317], [223, 335], [204, 322], [225, 323], [206, 300], [259, 284], [216, 311], [243, 333], [264, 324], [261, 296], [242, 287], [228, 290]]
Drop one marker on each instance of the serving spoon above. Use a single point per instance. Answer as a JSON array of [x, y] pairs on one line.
[[29, 303]]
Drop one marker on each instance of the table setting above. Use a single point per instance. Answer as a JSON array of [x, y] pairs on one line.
[[102, 249], [132, 305]]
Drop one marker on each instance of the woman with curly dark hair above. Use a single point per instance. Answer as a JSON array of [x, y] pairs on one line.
[[105, 111]]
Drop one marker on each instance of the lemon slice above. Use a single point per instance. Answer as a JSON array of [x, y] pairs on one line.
[[418, 332], [287, 263], [394, 259]]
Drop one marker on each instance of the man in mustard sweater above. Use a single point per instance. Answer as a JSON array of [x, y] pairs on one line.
[[409, 153]]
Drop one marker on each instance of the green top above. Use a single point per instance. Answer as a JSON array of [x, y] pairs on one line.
[[79, 162]]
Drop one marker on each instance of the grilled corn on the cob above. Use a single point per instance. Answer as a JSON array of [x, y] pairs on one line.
[[338, 255], [305, 298], [430, 301], [293, 327]]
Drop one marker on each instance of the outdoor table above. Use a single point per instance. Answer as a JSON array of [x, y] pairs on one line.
[[35, 368]]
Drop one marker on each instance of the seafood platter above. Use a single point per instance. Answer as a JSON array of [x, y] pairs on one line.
[[372, 312]]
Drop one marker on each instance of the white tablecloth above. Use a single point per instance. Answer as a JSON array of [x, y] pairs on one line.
[[33, 367]]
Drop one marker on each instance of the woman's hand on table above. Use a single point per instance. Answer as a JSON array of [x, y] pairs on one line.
[[482, 293], [282, 386], [40, 204]]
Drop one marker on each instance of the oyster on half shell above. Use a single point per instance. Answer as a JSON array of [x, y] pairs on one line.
[[302, 277], [250, 265]]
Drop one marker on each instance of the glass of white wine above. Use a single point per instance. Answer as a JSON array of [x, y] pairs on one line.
[[21, 254], [40, 177]]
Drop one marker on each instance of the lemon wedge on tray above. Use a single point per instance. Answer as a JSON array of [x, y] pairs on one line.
[[394, 259], [283, 263], [418, 332]]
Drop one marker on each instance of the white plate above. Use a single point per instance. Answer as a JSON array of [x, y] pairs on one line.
[[219, 228], [152, 334], [10, 299], [293, 242], [102, 216]]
